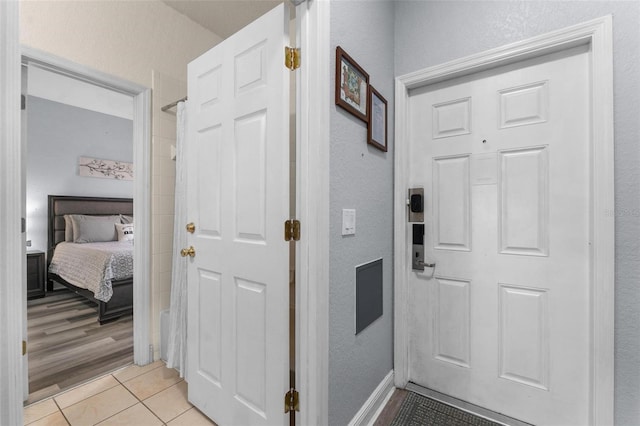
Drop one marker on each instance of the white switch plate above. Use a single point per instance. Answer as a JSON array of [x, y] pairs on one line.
[[348, 221]]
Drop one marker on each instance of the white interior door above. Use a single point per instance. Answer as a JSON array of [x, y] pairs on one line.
[[504, 157], [238, 198]]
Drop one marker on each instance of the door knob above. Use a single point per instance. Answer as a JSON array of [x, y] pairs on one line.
[[191, 227], [188, 252]]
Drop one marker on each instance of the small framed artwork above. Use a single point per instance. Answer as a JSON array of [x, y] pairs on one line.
[[351, 85], [377, 131]]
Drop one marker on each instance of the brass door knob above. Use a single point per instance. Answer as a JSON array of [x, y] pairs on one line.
[[188, 252], [191, 227]]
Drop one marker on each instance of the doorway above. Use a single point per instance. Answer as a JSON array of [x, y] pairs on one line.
[[140, 97], [479, 323], [67, 124]]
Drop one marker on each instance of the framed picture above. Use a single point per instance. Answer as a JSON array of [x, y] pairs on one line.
[[377, 129], [351, 85]]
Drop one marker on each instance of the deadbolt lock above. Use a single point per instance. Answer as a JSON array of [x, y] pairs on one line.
[[191, 227]]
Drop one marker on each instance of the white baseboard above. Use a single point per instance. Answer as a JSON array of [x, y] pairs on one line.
[[373, 406]]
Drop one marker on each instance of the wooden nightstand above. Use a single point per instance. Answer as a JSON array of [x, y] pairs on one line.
[[35, 274]]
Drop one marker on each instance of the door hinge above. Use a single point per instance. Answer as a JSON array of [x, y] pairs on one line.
[[24, 347], [291, 401], [292, 230], [23, 102], [292, 58]]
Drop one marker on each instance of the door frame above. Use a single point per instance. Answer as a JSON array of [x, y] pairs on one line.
[[141, 194], [313, 104], [597, 34], [11, 307], [11, 204]]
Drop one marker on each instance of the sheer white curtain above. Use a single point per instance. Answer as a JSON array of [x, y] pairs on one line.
[[177, 347]]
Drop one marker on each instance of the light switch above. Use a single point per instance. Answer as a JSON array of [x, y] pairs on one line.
[[348, 221]]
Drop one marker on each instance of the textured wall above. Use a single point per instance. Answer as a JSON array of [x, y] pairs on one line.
[[131, 40], [123, 38], [58, 135], [430, 33], [361, 179]]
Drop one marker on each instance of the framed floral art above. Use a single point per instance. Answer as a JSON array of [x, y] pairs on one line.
[[352, 85]]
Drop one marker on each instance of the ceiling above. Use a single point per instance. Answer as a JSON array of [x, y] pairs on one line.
[[223, 17]]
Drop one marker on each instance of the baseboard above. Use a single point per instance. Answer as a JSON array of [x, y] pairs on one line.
[[372, 407]]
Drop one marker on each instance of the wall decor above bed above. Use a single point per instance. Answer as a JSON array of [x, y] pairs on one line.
[[108, 169]]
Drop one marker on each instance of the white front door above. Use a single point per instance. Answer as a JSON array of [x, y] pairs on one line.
[[238, 198], [503, 320]]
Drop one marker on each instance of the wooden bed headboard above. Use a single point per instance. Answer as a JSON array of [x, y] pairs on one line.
[[59, 205]]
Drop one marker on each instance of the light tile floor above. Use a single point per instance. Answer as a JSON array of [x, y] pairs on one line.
[[150, 395]]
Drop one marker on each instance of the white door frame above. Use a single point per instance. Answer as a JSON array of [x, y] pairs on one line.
[[141, 193], [12, 306], [313, 104], [597, 34], [10, 217]]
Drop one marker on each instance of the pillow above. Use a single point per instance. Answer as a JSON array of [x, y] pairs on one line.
[[94, 229], [125, 231], [68, 228], [125, 218]]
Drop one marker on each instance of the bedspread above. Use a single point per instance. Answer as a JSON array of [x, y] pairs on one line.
[[93, 265]]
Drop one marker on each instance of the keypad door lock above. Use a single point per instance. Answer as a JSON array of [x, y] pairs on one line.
[[417, 252], [416, 205]]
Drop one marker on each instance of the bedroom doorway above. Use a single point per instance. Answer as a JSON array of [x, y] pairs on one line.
[[127, 338]]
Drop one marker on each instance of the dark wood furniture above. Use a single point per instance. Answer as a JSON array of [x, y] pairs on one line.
[[35, 274], [121, 303]]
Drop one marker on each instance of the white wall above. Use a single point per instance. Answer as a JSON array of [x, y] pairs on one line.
[[131, 40], [430, 33], [57, 135], [361, 179]]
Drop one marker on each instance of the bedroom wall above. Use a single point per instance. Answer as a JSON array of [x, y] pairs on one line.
[[57, 135], [131, 40], [430, 33], [361, 178]]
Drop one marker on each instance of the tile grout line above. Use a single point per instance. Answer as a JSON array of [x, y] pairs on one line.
[[131, 378], [141, 401], [124, 409], [173, 418], [120, 383], [61, 412]]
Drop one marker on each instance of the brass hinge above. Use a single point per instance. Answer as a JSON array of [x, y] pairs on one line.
[[292, 58], [291, 401], [292, 230], [24, 347]]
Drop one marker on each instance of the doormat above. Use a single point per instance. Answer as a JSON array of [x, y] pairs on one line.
[[417, 410]]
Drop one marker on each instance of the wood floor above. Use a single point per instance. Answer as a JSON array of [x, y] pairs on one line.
[[67, 345], [391, 409]]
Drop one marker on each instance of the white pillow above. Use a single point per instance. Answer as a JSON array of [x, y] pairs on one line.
[[68, 228], [93, 229], [125, 231]]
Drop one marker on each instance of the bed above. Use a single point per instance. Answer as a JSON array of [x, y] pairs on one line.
[[76, 265]]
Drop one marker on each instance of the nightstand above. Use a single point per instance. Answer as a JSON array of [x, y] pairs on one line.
[[35, 274]]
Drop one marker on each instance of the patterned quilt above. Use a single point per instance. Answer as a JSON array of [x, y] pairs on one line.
[[94, 265]]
